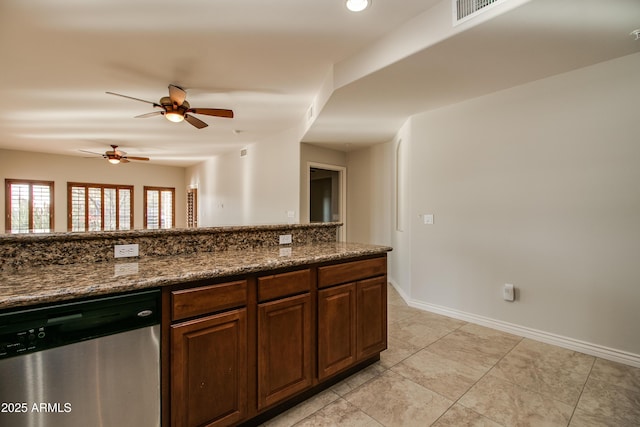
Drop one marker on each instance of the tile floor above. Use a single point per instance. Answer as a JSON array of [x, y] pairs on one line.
[[442, 372]]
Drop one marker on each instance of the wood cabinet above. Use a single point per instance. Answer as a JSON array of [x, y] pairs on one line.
[[352, 317], [336, 329], [284, 349], [241, 350], [371, 316], [284, 336], [209, 370]]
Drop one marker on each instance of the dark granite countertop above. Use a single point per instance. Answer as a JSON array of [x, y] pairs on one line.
[[54, 283]]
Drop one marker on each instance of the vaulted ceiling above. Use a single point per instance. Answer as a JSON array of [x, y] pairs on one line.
[[352, 79]]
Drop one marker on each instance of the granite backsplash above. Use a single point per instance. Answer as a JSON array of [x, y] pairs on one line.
[[29, 250]]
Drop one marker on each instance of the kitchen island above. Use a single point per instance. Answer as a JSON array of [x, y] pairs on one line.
[[246, 331]]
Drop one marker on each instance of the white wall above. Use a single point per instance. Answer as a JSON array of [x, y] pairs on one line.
[[538, 186], [63, 169], [260, 188]]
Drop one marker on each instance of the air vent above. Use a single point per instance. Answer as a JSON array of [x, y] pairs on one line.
[[243, 152], [465, 9]]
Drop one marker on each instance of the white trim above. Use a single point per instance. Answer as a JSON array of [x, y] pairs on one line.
[[342, 177], [607, 353]]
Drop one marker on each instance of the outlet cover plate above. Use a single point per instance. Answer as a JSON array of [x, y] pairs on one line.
[[285, 239], [125, 251]]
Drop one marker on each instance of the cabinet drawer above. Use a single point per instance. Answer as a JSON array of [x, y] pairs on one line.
[[351, 271], [207, 299], [282, 285]]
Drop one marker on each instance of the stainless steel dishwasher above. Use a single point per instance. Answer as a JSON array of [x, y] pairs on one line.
[[93, 363]]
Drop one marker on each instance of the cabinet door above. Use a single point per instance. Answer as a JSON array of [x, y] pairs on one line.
[[371, 316], [336, 329], [284, 349], [209, 370]]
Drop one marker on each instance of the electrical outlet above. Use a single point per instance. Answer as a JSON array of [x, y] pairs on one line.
[[285, 239], [125, 251]]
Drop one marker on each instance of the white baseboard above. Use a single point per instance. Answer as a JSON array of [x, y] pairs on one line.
[[607, 353]]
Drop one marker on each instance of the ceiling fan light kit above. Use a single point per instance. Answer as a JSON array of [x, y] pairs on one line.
[[175, 108], [174, 117], [115, 156]]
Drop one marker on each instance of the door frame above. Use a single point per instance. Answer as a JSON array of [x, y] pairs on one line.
[[342, 184]]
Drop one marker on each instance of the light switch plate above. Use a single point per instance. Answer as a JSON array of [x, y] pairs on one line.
[[428, 219], [508, 292]]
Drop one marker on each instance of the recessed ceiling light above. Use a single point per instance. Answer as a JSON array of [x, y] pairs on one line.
[[358, 5]]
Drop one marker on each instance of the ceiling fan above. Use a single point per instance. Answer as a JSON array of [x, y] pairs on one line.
[[175, 108], [116, 156]]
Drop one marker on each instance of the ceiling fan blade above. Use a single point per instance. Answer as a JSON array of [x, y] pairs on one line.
[[91, 152], [195, 122], [123, 160], [135, 99], [137, 158], [218, 112], [177, 94], [153, 113]]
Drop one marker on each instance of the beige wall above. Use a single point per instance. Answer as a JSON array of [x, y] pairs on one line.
[[63, 169], [536, 186], [379, 205], [370, 194], [315, 154]]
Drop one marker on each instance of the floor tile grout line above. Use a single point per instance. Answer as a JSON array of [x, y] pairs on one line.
[[408, 379], [545, 395], [457, 401], [521, 339], [575, 408], [454, 402]]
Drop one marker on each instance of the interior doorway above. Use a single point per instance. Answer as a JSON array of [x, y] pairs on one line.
[[327, 195]]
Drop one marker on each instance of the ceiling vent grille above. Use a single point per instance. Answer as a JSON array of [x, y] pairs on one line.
[[465, 9]]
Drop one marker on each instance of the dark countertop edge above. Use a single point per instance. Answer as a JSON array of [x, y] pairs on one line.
[[70, 236], [23, 301]]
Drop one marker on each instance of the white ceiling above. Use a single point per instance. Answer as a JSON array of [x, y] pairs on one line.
[[269, 61]]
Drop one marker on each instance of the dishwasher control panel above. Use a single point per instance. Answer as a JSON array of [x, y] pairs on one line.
[[26, 341], [33, 329]]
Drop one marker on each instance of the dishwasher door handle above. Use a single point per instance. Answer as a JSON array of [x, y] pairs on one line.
[[62, 319]]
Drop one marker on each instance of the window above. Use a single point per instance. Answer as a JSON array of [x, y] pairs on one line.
[[29, 206], [99, 207], [159, 207]]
